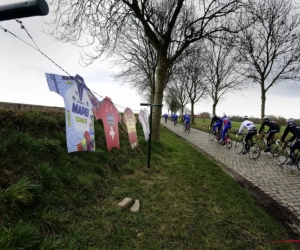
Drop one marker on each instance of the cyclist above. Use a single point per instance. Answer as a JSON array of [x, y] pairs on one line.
[[227, 125], [273, 129], [175, 117], [295, 130], [166, 117], [186, 120], [251, 131], [218, 123]]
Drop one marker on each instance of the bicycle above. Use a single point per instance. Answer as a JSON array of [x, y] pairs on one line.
[[281, 154], [175, 122], [186, 128], [262, 142], [227, 141], [214, 135], [253, 151]]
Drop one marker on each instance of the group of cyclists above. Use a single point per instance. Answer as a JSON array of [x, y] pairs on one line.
[[291, 127], [223, 124], [174, 117]]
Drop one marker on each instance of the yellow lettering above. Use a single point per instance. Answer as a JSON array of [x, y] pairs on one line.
[[131, 126], [81, 120]]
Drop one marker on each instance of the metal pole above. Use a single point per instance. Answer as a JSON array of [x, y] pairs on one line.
[[150, 128]]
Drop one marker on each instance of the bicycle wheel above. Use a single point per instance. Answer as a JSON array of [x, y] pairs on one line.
[[261, 143], [254, 152], [188, 129], [228, 141], [229, 144], [280, 155], [211, 136], [218, 137], [297, 160], [239, 146]]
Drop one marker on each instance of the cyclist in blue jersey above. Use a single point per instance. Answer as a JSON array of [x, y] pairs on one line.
[[175, 117], [218, 123], [166, 117], [186, 120], [227, 125]]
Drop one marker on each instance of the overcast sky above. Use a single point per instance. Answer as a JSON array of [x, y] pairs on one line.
[[22, 74]]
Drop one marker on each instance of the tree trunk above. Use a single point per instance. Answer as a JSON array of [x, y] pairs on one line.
[[152, 93], [158, 97], [192, 113], [182, 108], [263, 102], [214, 109]]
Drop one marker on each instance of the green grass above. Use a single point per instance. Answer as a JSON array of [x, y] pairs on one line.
[[50, 199]]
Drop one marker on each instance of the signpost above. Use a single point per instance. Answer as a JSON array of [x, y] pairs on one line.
[[150, 121], [23, 9]]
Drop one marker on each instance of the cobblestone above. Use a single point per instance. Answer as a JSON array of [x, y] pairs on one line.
[[280, 183]]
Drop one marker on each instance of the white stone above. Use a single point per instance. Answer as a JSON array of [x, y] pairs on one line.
[[136, 207], [125, 203]]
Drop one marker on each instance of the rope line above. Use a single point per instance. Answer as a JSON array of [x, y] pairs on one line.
[[38, 49]]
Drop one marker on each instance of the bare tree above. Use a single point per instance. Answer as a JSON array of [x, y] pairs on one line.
[[191, 74], [221, 62], [269, 49], [179, 91], [170, 26], [139, 63], [172, 101]]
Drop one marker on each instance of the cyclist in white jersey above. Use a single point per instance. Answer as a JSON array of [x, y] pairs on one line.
[[252, 130]]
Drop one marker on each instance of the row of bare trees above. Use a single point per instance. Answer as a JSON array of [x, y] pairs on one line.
[[207, 73], [265, 53], [185, 49]]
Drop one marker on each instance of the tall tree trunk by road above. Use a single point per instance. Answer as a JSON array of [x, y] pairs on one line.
[[214, 106], [192, 113], [263, 101], [158, 97], [182, 108]]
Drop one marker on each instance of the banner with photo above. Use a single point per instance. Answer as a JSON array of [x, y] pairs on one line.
[[130, 121], [79, 117], [110, 116], [144, 120]]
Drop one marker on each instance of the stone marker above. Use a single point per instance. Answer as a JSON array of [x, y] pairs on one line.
[[136, 207], [125, 203]]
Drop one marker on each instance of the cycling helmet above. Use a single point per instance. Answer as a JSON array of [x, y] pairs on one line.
[[266, 118], [224, 115], [245, 118], [290, 121]]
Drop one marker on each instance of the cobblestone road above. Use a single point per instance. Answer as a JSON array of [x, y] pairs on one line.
[[282, 184]]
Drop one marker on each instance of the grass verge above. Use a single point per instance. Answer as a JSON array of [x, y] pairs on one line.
[[50, 199]]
